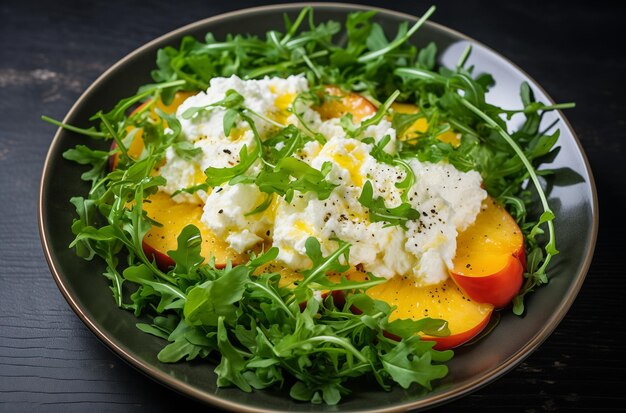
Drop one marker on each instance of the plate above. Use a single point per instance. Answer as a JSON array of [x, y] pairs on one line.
[[573, 199]]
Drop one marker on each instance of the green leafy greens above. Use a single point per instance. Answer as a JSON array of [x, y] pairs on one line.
[[264, 333], [379, 212], [271, 334]]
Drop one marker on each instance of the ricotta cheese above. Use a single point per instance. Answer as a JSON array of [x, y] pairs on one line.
[[447, 200]]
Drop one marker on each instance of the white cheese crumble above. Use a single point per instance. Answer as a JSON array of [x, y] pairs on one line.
[[447, 200]]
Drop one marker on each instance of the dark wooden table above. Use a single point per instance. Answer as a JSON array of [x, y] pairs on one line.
[[51, 51]]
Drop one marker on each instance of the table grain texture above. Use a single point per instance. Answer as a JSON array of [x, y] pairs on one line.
[[50, 52]]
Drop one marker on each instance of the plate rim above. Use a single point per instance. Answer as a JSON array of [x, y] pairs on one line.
[[187, 390]]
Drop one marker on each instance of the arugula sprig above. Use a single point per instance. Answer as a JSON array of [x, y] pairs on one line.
[[354, 131], [233, 102], [219, 176], [287, 142], [378, 152], [312, 96], [379, 212], [290, 175]]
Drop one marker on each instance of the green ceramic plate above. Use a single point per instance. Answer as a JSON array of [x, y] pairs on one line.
[[573, 198]]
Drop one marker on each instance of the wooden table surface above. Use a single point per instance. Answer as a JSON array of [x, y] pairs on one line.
[[51, 51]]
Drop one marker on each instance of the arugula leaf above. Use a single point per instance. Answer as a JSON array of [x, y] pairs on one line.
[[289, 139], [86, 156], [291, 175], [378, 212], [269, 198], [406, 367], [403, 36], [355, 131], [232, 363], [406, 328], [86, 210], [150, 329], [232, 100], [170, 296], [322, 265], [401, 122], [187, 342], [218, 176], [211, 300], [161, 327], [187, 256], [378, 149]]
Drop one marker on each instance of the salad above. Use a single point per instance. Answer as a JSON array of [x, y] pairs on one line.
[[302, 211]]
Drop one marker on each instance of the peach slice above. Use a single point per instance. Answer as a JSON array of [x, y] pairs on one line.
[[489, 262], [466, 317], [421, 125], [341, 103], [174, 217]]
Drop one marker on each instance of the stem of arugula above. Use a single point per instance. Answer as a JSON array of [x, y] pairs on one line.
[[399, 41], [71, 128], [322, 268], [551, 246]]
